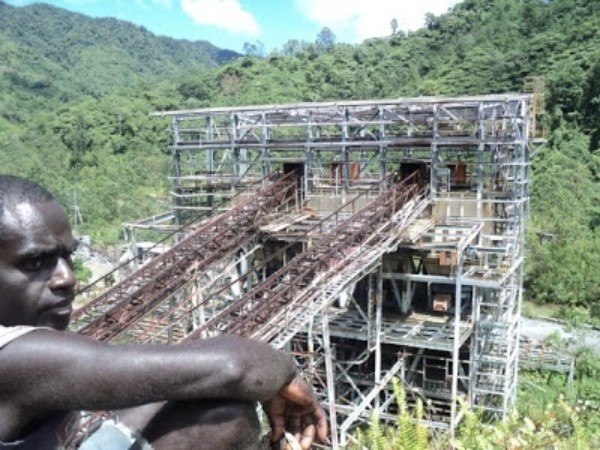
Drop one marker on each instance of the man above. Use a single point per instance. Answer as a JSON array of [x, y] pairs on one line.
[[200, 395]]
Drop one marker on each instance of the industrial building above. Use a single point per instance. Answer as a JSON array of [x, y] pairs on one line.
[[370, 239]]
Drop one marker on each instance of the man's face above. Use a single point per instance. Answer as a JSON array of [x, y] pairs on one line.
[[37, 284]]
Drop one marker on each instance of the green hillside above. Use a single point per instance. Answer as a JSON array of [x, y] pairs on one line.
[[49, 55], [76, 93]]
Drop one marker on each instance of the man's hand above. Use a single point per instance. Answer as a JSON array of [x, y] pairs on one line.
[[295, 409]]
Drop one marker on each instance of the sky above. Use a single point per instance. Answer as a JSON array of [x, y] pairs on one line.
[[231, 23]]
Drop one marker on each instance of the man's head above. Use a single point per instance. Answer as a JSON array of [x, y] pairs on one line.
[[36, 279]]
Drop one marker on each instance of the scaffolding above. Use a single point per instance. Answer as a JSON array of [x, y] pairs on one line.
[[399, 253]]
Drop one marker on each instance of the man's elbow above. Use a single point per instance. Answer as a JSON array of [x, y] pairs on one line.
[[254, 370], [249, 380]]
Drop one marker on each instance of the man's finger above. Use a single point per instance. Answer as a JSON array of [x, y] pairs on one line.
[[276, 412], [295, 425], [292, 442], [322, 425], [308, 437], [277, 429]]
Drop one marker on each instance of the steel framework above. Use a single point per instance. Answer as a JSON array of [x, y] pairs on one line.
[[399, 253]]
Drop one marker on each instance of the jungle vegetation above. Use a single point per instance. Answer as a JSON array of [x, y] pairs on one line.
[[76, 93]]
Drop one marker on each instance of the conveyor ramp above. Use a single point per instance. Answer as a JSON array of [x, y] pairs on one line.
[[129, 300], [281, 306]]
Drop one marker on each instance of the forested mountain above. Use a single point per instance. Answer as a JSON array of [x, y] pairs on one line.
[[481, 46], [48, 54], [76, 93]]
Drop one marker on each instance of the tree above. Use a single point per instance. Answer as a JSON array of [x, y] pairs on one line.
[[591, 107], [325, 38], [254, 49], [564, 197], [394, 25], [293, 47], [83, 274]]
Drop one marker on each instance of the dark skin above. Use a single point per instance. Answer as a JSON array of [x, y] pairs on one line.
[[207, 388]]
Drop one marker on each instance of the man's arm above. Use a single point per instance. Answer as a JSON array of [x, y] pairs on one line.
[[47, 371]]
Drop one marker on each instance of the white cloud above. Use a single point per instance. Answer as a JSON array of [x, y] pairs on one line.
[[226, 14], [357, 20]]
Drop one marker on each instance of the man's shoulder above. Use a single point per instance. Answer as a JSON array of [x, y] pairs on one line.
[[9, 334]]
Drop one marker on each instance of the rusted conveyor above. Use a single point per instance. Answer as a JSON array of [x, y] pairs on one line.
[[126, 302], [279, 307]]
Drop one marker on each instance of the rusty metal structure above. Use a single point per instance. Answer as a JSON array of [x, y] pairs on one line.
[[370, 239], [124, 304]]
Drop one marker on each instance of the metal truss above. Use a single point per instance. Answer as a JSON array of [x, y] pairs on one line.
[[283, 304], [125, 303], [364, 275]]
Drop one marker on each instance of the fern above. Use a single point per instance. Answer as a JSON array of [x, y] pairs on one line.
[[399, 394], [559, 427], [410, 434], [376, 440], [421, 431], [578, 433]]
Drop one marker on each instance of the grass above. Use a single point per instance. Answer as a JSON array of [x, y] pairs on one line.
[[538, 390], [539, 310]]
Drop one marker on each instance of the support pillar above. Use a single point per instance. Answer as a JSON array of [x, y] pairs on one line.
[[329, 369]]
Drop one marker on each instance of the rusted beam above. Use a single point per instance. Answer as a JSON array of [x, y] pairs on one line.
[[130, 299], [280, 289]]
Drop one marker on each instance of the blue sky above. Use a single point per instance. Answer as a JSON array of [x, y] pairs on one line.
[[230, 23]]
